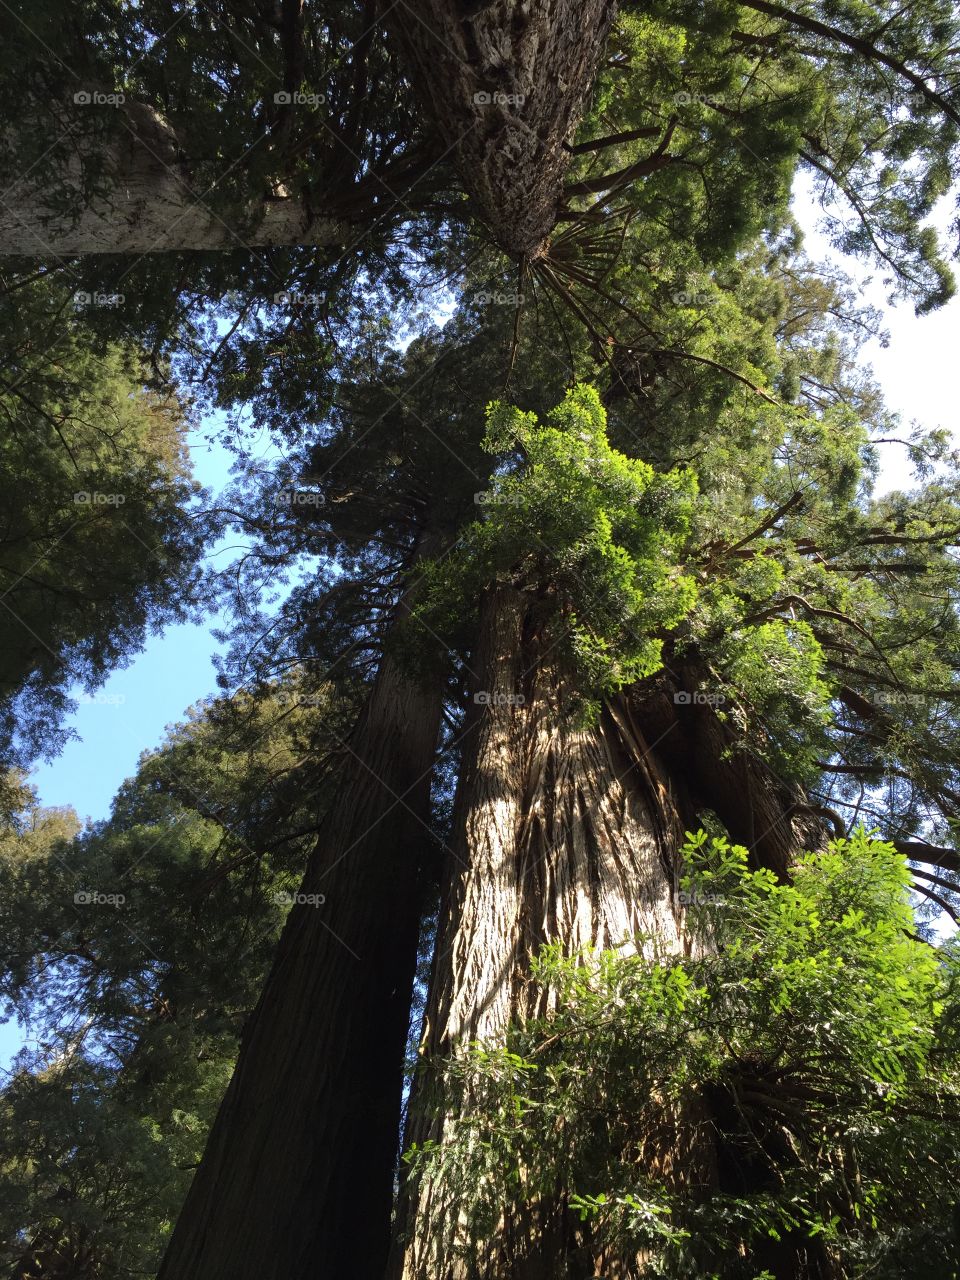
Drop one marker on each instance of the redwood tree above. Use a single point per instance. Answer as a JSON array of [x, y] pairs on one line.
[[689, 134]]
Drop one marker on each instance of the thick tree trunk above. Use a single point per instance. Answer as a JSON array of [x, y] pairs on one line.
[[297, 1177], [143, 200], [565, 835], [561, 834], [504, 83]]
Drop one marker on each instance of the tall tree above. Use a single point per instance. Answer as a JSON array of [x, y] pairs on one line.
[[134, 950], [779, 1099], [299, 1171], [571, 835], [685, 153]]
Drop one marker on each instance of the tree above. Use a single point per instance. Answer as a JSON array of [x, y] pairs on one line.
[[570, 833], [383, 496], [683, 160], [135, 951], [100, 541], [773, 1095]]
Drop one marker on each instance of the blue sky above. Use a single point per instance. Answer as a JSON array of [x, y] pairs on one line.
[[917, 372], [130, 713]]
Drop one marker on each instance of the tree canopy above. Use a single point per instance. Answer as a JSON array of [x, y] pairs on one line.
[[489, 302]]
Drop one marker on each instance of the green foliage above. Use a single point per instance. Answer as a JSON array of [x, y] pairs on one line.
[[826, 617], [98, 541], [133, 951], [860, 96], [591, 532], [788, 1089]]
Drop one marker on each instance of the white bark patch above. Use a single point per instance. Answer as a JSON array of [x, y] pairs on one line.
[[146, 202]]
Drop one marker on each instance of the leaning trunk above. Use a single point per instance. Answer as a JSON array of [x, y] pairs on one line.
[[297, 1177], [127, 188], [568, 835]]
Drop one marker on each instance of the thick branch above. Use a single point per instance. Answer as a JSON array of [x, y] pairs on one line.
[[614, 140], [623, 177], [930, 854]]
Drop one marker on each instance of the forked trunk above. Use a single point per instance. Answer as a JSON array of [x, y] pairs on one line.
[[568, 835], [297, 1178]]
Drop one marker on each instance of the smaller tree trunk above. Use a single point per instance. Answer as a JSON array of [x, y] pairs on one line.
[[297, 1178], [144, 199]]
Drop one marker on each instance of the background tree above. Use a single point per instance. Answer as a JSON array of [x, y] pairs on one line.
[[100, 537], [135, 950]]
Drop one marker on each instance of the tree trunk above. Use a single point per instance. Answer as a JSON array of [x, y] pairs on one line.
[[504, 84], [297, 1177], [562, 835], [142, 200], [565, 835]]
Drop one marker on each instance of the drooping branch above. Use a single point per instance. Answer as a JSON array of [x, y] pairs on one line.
[[858, 45], [939, 900]]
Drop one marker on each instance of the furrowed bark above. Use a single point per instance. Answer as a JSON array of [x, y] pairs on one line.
[[560, 836], [504, 84], [572, 836], [297, 1177]]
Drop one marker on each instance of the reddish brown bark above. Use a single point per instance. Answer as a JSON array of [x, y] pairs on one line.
[[504, 85], [297, 1177], [570, 835]]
